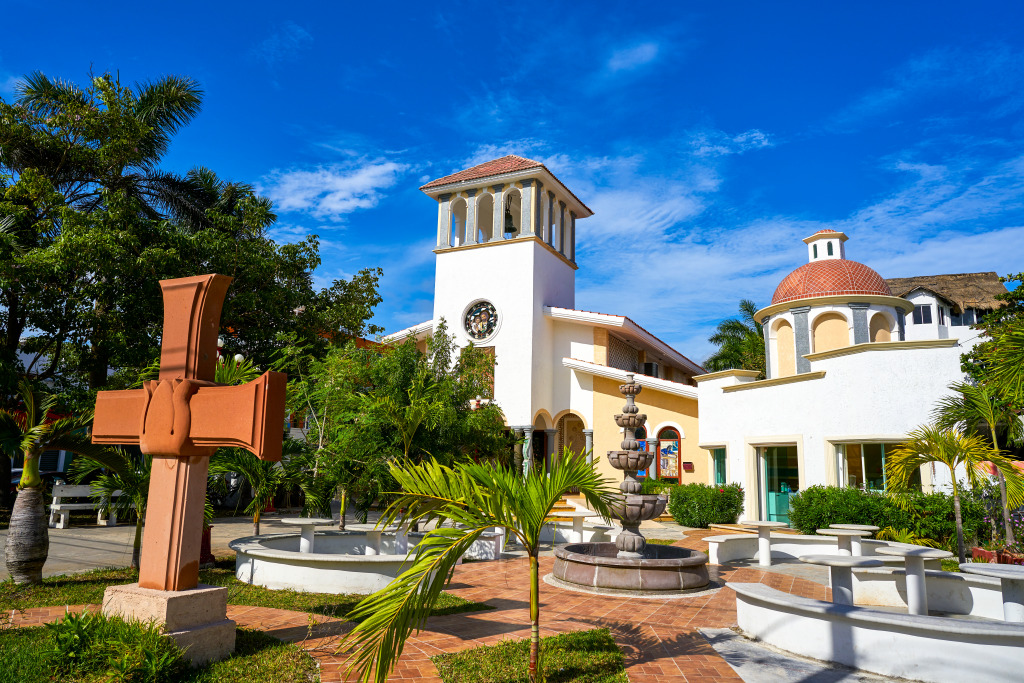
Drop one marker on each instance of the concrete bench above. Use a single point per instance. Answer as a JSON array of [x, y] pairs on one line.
[[923, 648], [732, 547], [60, 511]]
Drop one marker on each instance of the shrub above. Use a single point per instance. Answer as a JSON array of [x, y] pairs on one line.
[[699, 505], [651, 485], [928, 515]]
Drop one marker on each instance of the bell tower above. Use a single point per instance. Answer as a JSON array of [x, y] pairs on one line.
[[506, 249]]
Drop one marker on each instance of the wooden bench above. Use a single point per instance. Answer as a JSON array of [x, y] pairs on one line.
[[60, 512]]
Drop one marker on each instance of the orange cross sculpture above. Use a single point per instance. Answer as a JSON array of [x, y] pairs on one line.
[[181, 419]]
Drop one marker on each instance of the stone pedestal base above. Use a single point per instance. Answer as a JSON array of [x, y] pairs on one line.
[[196, 619]]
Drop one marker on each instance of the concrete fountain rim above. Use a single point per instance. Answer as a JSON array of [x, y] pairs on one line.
[[691, 558], [253, 547]]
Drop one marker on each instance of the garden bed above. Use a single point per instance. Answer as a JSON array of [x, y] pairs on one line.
[[576, 657]]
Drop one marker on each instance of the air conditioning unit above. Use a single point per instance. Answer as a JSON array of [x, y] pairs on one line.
[[650, 369]]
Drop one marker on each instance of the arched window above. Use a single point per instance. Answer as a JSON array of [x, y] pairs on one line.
[[513, 207], [815, 248], [485, 218], [641, 435], [785, 349], [829, 249], [458, 230], [831, 331], [668, 454], [880, 328]]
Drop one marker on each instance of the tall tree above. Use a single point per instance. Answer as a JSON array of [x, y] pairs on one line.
[[740, 342], [972, 408], [469, 499]]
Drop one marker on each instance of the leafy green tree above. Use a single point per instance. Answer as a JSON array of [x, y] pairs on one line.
[[973, 407], [368, 407], [30, 430], [740, 342], [995, 325], [89, 225], [954, 449], [465, 500]]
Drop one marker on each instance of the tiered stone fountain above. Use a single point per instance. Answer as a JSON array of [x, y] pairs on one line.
[[629, 565]]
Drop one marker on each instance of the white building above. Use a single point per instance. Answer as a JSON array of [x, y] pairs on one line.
[[855, 363], [505, 280]]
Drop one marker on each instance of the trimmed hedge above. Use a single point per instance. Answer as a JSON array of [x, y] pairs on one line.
[[930, 516], [700, 505]]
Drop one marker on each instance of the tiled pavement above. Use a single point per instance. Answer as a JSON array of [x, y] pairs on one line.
[[658, 637]]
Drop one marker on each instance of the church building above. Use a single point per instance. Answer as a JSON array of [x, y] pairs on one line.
[[506, 281]]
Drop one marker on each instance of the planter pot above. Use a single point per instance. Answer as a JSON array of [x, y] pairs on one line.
[[980, 554], [206, 547]]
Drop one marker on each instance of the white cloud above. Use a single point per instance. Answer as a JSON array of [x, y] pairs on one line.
[[284, 44], [330, 192], [8, 84], [627, 59], [714, 143]]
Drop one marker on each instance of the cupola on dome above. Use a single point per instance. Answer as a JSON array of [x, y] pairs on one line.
[[829, 273]]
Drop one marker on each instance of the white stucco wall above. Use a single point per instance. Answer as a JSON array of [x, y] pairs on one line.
[[519, 277], [869, 396]]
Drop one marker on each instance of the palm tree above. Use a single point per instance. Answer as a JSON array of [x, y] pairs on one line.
[[264, 478], [971, 406], [740, 342], [468, 500], [1005, 357], [120, 470], [30, 433], [953, 449]]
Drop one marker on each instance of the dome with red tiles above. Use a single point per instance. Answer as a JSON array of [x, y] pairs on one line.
[[831, 277]]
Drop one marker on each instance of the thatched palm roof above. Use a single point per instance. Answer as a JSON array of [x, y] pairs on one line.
[[963, 290]]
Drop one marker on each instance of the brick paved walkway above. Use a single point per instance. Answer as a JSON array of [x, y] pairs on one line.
[[659, 638]]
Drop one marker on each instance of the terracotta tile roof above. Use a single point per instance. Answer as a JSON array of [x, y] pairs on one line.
[[506, 164], [830, 277]]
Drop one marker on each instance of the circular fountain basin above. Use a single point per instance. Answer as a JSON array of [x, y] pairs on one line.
[[663, 570], [339, 564]]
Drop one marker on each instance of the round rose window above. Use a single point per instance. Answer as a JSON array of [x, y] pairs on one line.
[[481, 320]]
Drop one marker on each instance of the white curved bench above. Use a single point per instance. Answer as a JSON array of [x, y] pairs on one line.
[[732, 547], [924, 648]]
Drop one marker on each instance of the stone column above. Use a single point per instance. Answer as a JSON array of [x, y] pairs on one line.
[[860, 323], [528, 449], [588, 435], [767, 348], [527, 207], [443, 217], [498, 224], [470, 217], [551, 439], [901, 324], [802, 335], [518, 457], [572, 236], [561, 229]]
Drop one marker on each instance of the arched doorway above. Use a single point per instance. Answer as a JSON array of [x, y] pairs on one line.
[[668, 454], [880, 328], [831, 331]]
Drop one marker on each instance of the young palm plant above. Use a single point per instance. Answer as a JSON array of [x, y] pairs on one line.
[[972, 406], [30, 432], [466, 501], [954, 449], [119, 470]]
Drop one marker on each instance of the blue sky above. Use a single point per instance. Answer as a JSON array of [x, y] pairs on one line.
[[709, 138]]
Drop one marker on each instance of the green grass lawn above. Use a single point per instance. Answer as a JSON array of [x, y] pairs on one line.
[[28, 656], [87, 588], [662, 541], [578, 657]]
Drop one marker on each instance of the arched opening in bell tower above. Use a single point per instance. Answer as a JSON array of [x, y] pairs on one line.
[[458, 224], [485, 218]]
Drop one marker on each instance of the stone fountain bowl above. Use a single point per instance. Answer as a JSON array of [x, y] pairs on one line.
[[339, 563], [631, 421], [663, 570], [630, 460], [634, 508]]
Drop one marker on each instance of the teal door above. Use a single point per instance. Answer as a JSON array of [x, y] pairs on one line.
[[781, 479], [718, 460]]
